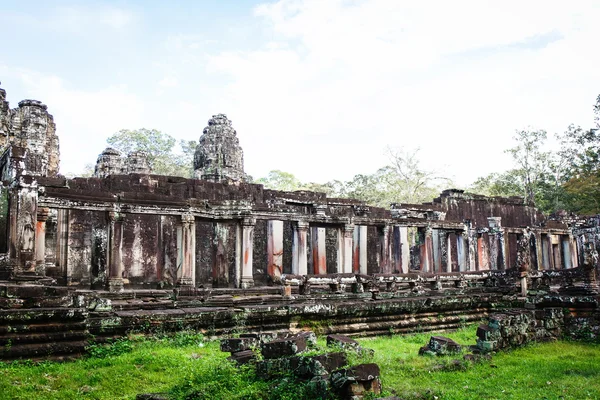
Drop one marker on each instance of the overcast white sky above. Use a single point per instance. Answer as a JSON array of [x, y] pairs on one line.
[[317, 88]]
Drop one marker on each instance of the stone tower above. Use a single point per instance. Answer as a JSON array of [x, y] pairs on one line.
[[33, 128], [137, 163], [219, 157], [109, 162]]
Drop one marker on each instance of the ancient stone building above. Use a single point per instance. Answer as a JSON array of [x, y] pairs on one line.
[[128, 228], [128, 249]]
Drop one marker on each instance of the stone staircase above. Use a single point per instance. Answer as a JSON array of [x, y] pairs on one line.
[[43, 333]]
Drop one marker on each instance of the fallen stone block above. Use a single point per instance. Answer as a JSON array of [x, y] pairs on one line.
[[358, 381], [284, 347], [243, 357], [342, 341], [262, 337], [485, 332], [442, 345], [310, 337], [238, 344]]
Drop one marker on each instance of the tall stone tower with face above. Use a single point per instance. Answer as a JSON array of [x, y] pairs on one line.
[[219, 157]]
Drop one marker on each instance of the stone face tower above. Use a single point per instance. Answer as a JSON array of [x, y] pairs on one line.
[[109, 162], [219, 157], [31, 127]]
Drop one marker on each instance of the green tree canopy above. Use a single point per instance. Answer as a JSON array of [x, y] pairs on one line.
[[160, 149]]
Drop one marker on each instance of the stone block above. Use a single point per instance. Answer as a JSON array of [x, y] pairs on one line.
[[342, 341], [485, 332], [262, 337], [357, 381], [442, 345], [310, 337], [238, 344], [497, 320], [487, 345], [284, 347], [243, 357]]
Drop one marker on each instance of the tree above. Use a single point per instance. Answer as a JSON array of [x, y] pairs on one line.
[[409, 182], [280, 180], [530, 160], [498, 184], [159, 147]]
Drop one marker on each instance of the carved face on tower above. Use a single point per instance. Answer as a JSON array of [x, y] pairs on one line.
[[219, 157]]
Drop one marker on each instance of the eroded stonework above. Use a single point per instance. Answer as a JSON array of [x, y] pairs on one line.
[[31, 127], [111, 162], [219, 157]]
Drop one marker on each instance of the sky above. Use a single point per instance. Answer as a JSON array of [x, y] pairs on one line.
[[318, 88]]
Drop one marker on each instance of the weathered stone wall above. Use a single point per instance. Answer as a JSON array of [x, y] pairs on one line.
[[514, 212]]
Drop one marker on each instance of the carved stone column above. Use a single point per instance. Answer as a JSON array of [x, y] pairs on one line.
[[247, 249], [40, 240], [359, 256], [345, 256], [275, 248], [403, 245], [115, 242], [383, 257], [299, 248], [427, 251], [318, 247], [187, 251], [497, 245], [524, 259], [22, 226]]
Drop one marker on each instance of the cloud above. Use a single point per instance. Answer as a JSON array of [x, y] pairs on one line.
[[168, 82], [72, 19], [84, 119], [339, 80]]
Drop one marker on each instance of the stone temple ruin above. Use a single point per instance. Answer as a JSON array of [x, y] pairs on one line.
[[128, 249]]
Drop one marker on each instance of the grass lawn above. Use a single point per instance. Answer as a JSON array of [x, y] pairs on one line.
[[186, 365]]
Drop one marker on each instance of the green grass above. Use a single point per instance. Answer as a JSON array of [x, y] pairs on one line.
[[558, 370], [187, 367]]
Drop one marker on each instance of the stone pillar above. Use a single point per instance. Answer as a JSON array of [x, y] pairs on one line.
[[40, 242], [62, 241], [538, 250], [448, 252], [275, 248], [345, 248], [436, 240], [574, 255], [497, 245], [186, 255], [404, 250], [22, 226], [524, 259], [566, 251], [461, 248], [115, 243], [483, 253], [471, 246], [247, 249], [395, 252], [299, 248], [427, 251], [318, 246], [359, 257], [383, 256]]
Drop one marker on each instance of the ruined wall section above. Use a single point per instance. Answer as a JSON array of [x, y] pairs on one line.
[[459, 206], [112, 162]]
